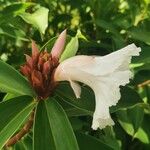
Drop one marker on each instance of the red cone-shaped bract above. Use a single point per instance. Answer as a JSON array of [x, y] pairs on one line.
[[39, 70]]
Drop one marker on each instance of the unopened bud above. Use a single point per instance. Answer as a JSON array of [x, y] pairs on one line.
[[59, 45]]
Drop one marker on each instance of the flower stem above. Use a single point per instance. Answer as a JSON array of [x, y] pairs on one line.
[[26, 128]]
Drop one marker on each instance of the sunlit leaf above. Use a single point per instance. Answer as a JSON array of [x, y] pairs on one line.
[[38, 19], [131, 119]]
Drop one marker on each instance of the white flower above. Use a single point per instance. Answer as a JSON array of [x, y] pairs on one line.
[[103, 74]]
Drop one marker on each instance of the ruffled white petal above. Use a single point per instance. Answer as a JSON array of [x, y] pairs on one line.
[[101, 123], [103, 65], [104, 75]]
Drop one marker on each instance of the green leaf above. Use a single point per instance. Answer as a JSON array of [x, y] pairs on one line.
[[52, 128], [27, 141], [71, 49], [9, 96], [125, 122], [13, 113], [77, 123], [108, 26], [72, 111], [12, 81], [13, 32], [12, 10], [39, 18], [131, 119], [143, 133], [129, 98], [136, 115], [87, 142], [69, 109], [110, 138], [144, 56], [20, 146], [140, 34], [86, 103]]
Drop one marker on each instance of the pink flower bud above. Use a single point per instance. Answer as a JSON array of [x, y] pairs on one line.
[[59, 45]]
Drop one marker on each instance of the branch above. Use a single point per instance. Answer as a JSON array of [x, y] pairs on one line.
[[26, 128]]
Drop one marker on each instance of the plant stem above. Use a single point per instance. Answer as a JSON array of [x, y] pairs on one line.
[[26, 128]]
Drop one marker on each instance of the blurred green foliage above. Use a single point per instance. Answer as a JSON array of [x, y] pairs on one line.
[[105, 25]]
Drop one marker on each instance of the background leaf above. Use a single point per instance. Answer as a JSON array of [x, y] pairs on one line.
[[38, 19], [90, 143], [131, 119]]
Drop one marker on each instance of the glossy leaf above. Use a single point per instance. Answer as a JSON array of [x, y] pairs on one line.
[[131, 119], [13, 113], [52, 129], [71, 49], [9, 96], [143, 133], [125, 122], [39, 18], [86, 103], [136, 115], [12, 81]]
